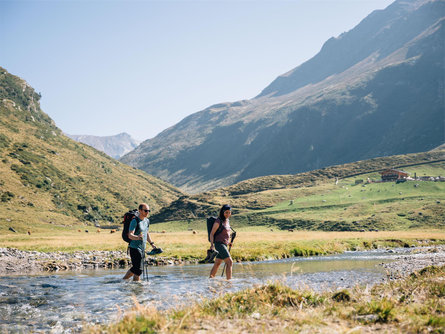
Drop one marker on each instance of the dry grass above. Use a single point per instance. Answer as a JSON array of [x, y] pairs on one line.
[[249, 245], [412, 305]]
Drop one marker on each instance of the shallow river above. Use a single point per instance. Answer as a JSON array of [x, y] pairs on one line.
[[65, 302]]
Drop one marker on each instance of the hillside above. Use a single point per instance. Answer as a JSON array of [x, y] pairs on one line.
[[115, 146], [48, 178], [376, 90], [328, 199]]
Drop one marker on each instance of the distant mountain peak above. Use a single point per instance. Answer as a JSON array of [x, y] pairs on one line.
[[115, 146]]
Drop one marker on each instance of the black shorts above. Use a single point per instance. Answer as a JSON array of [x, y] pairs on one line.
[[223, 252], [136, 261]]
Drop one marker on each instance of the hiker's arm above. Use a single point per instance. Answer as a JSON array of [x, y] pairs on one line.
[[212, 234], [133, 236], [132, 229]]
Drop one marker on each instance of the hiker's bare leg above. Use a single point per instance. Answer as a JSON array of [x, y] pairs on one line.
[[128, 274], [228, 261], [215, 267], [136, 278]]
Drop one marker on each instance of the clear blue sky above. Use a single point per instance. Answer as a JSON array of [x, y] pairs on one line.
[[105, 67]]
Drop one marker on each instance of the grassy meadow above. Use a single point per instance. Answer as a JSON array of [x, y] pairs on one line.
[[251, 243], [352, 204]]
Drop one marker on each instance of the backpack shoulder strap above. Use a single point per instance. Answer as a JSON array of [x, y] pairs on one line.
[[138, 220], [220, 227]]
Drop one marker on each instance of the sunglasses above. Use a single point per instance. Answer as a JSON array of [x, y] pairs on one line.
[[146, 210]]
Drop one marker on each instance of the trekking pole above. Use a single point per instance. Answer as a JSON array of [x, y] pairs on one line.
[[144, 269], [230, 247]]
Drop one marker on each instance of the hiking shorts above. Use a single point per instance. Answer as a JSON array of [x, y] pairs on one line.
[[223, 252], [136, 261]]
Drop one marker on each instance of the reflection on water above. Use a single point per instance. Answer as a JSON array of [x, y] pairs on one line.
[[67, 301]]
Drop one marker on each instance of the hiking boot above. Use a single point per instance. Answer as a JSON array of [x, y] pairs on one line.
[[211, 254], [155, 251]]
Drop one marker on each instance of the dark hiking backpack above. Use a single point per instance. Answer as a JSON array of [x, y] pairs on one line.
[[128, 217], [210, 222]]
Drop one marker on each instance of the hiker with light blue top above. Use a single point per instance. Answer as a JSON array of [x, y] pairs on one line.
[[139, 236]]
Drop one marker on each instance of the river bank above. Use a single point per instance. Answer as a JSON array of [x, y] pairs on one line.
[[414, 260], [14, 261]]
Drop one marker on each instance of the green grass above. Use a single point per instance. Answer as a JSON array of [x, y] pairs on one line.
[[368, 206], [345, 206], [313, 200]]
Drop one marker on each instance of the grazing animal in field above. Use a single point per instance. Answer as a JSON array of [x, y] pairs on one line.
[[112, 231], [79, 231], [194, 232], [163, 231], [29, 232], [291, 230], [86, 231], [98, 230]]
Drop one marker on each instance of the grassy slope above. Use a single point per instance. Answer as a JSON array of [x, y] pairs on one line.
[[318, 203], [350, 206], [48, 181]]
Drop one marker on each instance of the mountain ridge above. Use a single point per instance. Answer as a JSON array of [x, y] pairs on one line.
[[322, 123]]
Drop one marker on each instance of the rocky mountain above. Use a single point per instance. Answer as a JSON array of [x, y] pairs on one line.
[[46, 177], [376, 90], [115, 146]]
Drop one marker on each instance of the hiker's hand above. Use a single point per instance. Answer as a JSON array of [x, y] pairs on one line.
[[230, 244], [212, 247]]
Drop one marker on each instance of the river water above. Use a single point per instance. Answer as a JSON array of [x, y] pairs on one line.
[[65, 302]]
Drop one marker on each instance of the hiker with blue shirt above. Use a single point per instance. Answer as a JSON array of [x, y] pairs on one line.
[[139, 236]]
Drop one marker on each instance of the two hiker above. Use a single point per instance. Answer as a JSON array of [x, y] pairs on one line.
[[139, 236], [220, 237]]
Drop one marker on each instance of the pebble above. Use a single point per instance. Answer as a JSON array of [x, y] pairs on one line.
[[418, 259]]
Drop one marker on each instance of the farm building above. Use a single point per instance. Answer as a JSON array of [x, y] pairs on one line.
[[393, 175]]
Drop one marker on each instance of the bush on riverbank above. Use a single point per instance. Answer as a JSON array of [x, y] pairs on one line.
[[413, 304]]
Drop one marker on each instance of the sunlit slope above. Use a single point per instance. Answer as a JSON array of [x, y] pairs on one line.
[[329, 200], [352, 207], [47, 178]]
